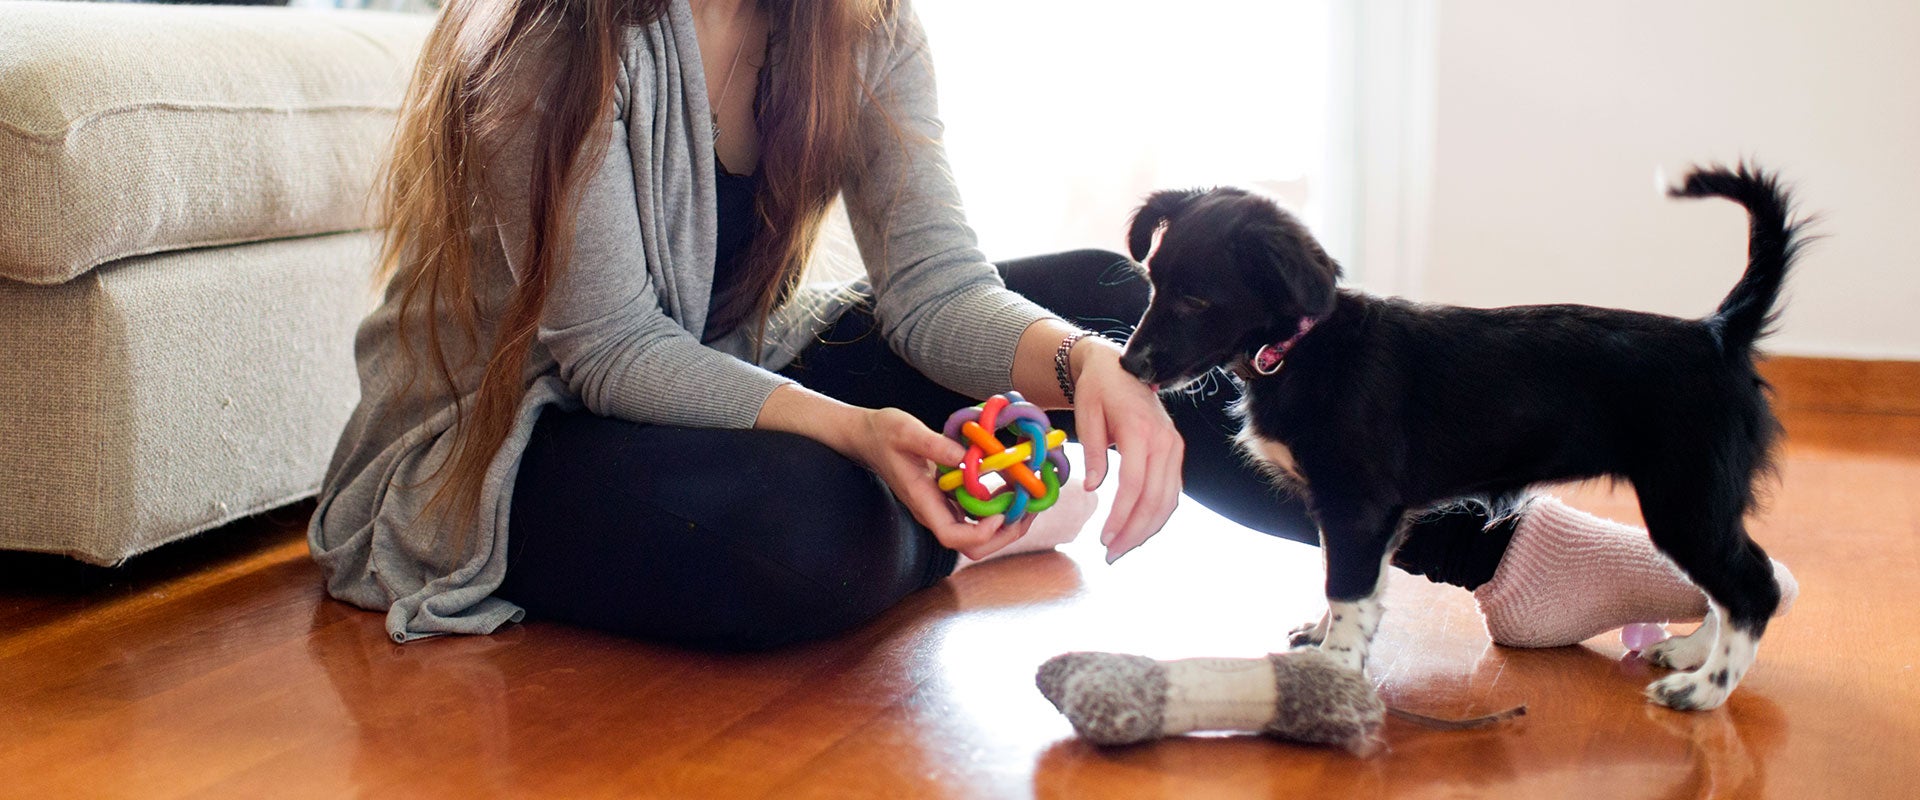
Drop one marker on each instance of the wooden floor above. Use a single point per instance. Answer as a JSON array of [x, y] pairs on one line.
[[219, 668]]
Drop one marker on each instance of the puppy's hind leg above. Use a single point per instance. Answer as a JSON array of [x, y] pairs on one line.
[[1704, 533], [1689, 651], [1727, 657], [1357, 546], [1311, 633]]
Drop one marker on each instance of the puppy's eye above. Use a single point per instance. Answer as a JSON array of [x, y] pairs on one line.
[[1190, 304]]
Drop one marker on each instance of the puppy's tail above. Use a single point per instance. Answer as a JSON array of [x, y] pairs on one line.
[[1748, 313]]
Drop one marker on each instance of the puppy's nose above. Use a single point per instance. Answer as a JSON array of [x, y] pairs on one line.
[[1136, 363]]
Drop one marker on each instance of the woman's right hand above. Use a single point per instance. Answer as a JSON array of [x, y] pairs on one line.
[[898, 448], [902, 451]]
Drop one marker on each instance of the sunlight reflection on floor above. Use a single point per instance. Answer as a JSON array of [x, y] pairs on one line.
[[1258, 588]]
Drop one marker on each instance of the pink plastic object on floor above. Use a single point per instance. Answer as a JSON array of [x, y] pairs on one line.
[[1641, 635]]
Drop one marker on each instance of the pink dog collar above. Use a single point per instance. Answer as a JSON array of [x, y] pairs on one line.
[[1268, 359]]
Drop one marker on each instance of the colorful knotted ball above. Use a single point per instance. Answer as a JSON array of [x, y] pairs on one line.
[[1032, 465]]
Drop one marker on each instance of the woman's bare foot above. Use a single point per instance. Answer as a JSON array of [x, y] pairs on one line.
[[1057, 525]]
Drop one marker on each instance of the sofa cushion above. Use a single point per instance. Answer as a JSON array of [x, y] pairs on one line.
[[167, 394], [130, 129]]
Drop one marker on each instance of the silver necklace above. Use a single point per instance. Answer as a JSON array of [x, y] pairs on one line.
[[727, 87]]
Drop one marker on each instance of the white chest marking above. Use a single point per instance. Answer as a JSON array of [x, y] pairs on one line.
[[1276, 456]]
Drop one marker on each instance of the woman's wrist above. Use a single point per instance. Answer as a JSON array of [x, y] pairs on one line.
[[793, 408], [1064, 372], [1045, 348], [1087, 350]]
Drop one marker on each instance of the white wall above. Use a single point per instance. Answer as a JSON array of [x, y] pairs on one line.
[[1061, 115], [1549, 120]]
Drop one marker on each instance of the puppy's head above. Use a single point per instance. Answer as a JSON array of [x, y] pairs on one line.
[[1233, 271]]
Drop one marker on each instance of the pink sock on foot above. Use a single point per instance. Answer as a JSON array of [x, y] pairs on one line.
[[1568, 576]]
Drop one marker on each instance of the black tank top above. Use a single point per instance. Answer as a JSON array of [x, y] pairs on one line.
[[736, 229]]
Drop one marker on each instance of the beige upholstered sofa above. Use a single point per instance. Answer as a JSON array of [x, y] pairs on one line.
[[184, 256]]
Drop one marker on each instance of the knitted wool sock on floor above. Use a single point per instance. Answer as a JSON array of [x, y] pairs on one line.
[[1569, 576]]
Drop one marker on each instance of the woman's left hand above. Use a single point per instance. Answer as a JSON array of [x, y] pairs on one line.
[[1113, 407]]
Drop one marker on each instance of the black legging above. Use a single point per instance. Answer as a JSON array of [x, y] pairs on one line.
[[743, 539]]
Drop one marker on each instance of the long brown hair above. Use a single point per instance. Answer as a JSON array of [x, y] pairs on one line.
[[468, 92]]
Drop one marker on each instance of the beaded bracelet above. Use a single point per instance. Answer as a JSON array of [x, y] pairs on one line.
[[1060, 371]]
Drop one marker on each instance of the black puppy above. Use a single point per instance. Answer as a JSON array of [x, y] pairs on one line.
[[1378, 409]]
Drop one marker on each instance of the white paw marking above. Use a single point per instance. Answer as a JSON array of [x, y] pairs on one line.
[[1311, 633], [1685, 652], [1729, 654], [1350, 628]]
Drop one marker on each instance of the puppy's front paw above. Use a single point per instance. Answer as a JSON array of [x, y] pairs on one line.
[[1683, 653], [1309, 634], [1690, 691], [1347, 657]]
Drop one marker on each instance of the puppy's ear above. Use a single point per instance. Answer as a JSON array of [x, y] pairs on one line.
[[1147, 218], [1314, 285], [1294, 262]]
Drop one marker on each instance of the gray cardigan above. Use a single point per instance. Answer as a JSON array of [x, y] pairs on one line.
[[622, 330]]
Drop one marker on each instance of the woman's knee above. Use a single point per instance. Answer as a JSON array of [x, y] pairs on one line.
[[722, 539], [1100, 290], [820, 548]]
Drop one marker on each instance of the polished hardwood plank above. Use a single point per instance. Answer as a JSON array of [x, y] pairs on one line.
[[1840, 384], [219, 668]]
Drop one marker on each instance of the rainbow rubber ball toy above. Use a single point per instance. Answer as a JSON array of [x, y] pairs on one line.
[[1032, 465]]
